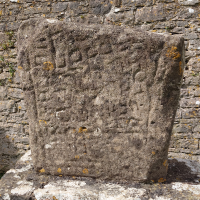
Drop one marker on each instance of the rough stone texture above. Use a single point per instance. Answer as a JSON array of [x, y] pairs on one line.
[[23, 183], [101, 99], [179, 17]]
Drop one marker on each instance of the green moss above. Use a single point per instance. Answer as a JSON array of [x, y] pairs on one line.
[[11, 69]]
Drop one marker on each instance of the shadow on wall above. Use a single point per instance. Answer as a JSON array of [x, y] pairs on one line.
[[9, 154], [183, 170]]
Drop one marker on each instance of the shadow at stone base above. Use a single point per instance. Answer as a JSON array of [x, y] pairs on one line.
[[182, 170], [9, 154]]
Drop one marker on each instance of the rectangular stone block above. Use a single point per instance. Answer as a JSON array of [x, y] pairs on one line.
[[101, 100], [150, 14]]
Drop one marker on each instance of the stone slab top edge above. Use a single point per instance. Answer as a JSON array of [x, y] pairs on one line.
[[98, 28]]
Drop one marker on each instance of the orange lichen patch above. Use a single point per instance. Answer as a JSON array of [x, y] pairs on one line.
[[161, 180], [165, 163], [82, 129], [42, 170], [87, 135], [111, 2], [19, 67], [74, 130], [42, 121], [19, 107], [7, 136], [54, 198], [152, 181], [180, 68], [59, 170], [154, 31], [153, 152], [48, 66], [85, 171], [74, 177], [60, 175], [77, 157], [172, 52]]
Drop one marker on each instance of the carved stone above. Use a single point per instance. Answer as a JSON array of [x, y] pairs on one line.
[[117, 3], [101, 100]]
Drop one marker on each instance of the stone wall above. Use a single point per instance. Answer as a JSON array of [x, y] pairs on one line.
[[169, 16]]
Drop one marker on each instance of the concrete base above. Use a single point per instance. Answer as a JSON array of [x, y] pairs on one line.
[[23, 183]]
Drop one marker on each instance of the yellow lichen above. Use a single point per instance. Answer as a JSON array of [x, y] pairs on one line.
[[19, 67], [153, 152], [48, 66], [59, 170], [42, 121], [77, 157], [74, 177], [172, 52], [82, 129], [180, 68], [19, 107], [165, 163], [42, 170], [54, 198], [85, 171], [161, 180]]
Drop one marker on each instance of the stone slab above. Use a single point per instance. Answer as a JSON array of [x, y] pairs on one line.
[[101, 100], [23, 183]]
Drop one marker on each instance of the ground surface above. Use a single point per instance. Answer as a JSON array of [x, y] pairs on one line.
[[23, 183]]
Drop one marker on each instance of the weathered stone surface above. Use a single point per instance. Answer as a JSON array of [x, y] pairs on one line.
[[101, 100], [23, 183], [178, 14], [150, 14]]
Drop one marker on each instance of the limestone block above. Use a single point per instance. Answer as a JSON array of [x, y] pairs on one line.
[[6, 105], [101, 100], [188, 2], [60, 6], [100, 7], [15, 93], [150, 14]]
